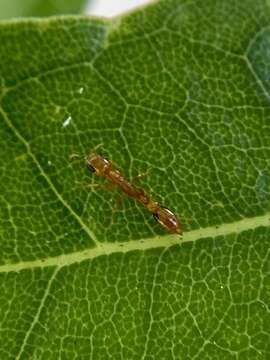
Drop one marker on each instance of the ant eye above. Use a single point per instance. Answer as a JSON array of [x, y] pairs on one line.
[[91, 168]]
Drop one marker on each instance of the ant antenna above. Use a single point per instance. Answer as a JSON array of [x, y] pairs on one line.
[[76, 157], [96, 147]]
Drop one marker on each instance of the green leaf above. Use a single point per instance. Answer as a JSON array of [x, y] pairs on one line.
[[20, 8], [181, 89]]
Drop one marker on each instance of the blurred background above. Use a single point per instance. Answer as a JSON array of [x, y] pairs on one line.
[[28, 8], [110, 8]]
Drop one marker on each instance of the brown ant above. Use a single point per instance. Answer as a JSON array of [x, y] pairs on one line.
[[101, 166]]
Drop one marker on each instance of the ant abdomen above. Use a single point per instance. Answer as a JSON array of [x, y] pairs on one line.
[[166, 218]]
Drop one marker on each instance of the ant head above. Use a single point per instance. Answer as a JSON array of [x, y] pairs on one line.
[[98, 164]]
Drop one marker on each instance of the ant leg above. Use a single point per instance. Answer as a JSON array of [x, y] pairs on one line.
[[87, 185], [187, 220], [118, 201], [141, 175], [92, 186]]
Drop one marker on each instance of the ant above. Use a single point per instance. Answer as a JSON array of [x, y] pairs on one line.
[[101, 166]]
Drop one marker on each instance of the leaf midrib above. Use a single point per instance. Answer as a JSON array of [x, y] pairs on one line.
[[155, 242]]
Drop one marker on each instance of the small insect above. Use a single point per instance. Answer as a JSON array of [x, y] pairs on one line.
[[101, 166]]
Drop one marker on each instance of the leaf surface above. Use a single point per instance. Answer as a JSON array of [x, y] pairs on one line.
[[182, 89]]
